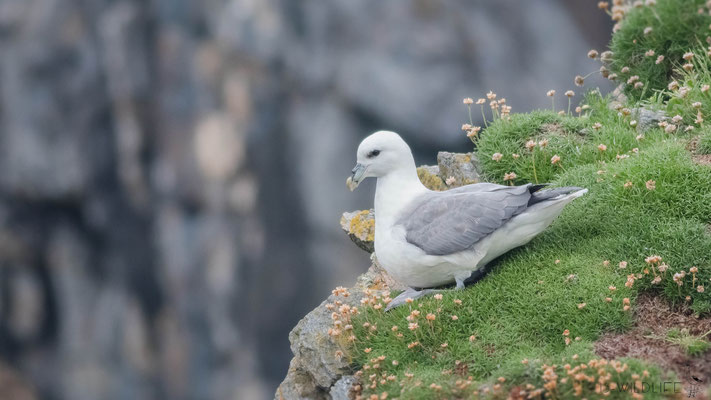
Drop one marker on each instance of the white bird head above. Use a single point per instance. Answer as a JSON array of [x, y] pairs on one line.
[[378, 155]]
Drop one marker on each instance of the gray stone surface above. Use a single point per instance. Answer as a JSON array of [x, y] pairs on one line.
[[648, 119], [464, 168], [431, 169], [341, 390], [299, 384], [315, 368]]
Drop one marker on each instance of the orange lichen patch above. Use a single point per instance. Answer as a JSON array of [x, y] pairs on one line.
[[431, 181], [363, 228]]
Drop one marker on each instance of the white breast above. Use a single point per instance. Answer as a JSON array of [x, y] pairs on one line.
[[410, 265]]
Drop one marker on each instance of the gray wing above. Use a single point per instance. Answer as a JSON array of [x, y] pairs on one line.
[[448, 222]]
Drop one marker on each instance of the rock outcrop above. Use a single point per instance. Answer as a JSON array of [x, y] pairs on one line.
[[316, 371]]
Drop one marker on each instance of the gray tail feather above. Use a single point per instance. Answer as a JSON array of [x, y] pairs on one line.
[[538, 196]]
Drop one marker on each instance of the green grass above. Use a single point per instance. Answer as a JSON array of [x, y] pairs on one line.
[[691, 96], [575, 140], [691, 344], [704, 146], [677, 28], [522, 307]]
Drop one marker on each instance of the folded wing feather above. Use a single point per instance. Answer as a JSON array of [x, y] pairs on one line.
[[448, 222]]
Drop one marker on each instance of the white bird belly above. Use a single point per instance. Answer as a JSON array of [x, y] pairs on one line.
[[410, 265]]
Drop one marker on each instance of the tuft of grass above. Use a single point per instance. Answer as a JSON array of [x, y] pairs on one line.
[[602, 135], [691, 344], [688, 95], [676, 28], [704, 146]]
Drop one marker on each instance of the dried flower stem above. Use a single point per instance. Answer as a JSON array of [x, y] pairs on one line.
[[597, 71], [655, 14]]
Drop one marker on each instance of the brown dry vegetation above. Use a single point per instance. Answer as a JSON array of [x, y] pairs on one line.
[[703, 159], [653, 319]]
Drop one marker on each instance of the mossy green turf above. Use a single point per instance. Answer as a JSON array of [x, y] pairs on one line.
[[704, 146], [677, 28], [695, 99], [522, 307]]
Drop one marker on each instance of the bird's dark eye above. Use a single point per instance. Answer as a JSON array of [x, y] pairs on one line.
[[373, 153]]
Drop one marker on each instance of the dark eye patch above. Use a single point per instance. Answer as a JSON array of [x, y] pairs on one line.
[[373, 153]]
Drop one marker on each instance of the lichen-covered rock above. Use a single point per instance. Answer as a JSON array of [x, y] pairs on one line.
[[430, 177], [648, 119], [458, 169], [316, 368], [360, 227]]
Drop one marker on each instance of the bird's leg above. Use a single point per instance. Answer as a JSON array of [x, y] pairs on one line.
[[413, 294], [409, 293], [460, 283]]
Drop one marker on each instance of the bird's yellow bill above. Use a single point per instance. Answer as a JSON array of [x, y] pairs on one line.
[[351, 184]]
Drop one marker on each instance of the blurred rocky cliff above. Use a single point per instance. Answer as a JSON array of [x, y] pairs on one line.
[[172, 171]]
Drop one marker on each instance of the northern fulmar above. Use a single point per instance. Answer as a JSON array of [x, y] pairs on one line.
[[427, 239]]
